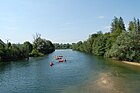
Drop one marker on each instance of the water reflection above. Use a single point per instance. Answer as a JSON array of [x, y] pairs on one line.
[[82, 73]]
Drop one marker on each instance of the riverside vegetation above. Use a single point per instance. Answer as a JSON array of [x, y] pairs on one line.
[[120, 43], [62, 46], [40, 47]]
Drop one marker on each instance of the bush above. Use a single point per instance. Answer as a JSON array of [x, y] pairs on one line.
[[35, 53]]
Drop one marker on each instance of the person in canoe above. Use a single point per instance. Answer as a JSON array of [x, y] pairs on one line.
[[51, 63]]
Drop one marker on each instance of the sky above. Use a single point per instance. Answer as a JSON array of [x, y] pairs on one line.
[[61, 21]]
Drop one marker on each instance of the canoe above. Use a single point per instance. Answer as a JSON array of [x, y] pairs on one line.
[[60, 60], [60, 56], [51, 64]]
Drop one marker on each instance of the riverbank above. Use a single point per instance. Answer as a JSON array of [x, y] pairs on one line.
[[131, 63]]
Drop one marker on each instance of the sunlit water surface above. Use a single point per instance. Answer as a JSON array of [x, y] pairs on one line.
[[81, 73]]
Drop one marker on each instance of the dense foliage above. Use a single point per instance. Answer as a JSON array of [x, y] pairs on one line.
[[119, 43], [62, 46], [40, 47], [10, 51]]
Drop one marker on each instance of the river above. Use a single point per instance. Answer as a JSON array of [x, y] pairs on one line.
[[81, 73]]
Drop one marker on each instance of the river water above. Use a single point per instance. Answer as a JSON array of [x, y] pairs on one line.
[[81, 73]]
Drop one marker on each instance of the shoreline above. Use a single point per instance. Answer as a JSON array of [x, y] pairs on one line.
[[131, 63]]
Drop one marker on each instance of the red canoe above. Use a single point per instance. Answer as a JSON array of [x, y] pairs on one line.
[[60, 60]]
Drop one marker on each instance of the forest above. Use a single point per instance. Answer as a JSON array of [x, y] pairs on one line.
[[120, 43], [62, 46], [40, 47]]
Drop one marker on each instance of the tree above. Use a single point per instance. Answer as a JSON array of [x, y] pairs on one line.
[[126, 47], [131, 26], [134, 26], [62, 46], [40, 47], [99, 46], [2, 44], [28, 46], [119, 43], [117, 27], [8, 45], [43, 46]]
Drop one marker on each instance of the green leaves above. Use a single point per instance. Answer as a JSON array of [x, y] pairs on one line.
[[39, 47], [119, 43], [126, 47], [28, 46], [134, 26], [99, 45], [42, 46], [62, 46]]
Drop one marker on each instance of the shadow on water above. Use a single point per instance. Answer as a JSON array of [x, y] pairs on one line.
[[4, 66]]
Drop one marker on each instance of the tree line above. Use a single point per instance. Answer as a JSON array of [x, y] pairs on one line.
[[120, 43], [62, 46], [40, 47]]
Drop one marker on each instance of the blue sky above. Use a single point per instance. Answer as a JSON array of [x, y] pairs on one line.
[[61, 21]]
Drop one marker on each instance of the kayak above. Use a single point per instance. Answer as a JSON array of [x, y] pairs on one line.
[[58, 57], [60, 60], [51, 64]]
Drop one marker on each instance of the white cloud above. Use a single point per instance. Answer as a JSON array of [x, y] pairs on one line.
[[107, 27], [101, 17]]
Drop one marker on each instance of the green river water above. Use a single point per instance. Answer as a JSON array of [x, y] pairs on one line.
[[81, 73]]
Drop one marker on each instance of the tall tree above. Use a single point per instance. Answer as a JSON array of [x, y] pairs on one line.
[[99, 47], [42, 45], [134, 25], [28, 46], [131, 26], [117, 26]]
